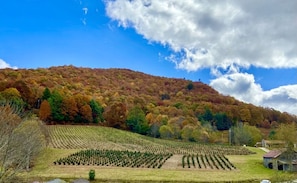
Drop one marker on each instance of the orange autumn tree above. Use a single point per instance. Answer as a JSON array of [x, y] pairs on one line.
[[45, 111], [116, 115], [69, 108], [26, 92], [86, 113]]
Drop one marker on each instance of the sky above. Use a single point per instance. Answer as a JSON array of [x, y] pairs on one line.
[[244, 49]]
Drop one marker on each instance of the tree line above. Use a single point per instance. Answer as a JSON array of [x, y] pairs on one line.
[[156, 120], [57, 108]]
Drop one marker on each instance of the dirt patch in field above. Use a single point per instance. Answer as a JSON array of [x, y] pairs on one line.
[[174, 162]]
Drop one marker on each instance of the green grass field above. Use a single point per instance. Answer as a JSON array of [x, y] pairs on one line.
[[66, 140]]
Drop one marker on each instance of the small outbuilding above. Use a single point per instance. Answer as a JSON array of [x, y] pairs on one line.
[[281, 160], [270, 158], [273, 143]]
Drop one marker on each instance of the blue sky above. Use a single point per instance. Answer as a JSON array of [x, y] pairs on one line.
[[246, 49]]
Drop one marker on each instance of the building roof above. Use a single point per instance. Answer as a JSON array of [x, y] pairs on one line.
[[274, 141], [272, 154]]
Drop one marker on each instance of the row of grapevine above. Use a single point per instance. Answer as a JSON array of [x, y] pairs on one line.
[[207, 161], [115, 158]]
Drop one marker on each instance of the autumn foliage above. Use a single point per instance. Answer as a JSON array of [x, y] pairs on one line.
[[169, 107]]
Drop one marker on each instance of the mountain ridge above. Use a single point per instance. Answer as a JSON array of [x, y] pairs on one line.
[[156, 94]]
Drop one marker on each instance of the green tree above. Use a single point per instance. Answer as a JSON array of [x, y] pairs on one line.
[[246, 135], [176, 130], [255, 134], [190, 85], [56, 101], [200, 135], [194, 133], [240, 136], [207, 117], [10, 93], [46, 94], [187, 132], [165, 132], [14, 97], [136, 121], [222, 121], [287, 133], [290, 155], [272, 135], [97, 111]]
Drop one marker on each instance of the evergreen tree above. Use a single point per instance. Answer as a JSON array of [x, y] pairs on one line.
[[222, 121], [46, 94], [190, 85], [207, 117], [55, 102]]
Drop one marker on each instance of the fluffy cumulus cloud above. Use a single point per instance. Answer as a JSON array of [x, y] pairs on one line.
[[243, 87], [3, 65], [221, 35], [215, 33]]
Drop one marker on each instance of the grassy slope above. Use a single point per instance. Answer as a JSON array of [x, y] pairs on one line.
[[86, 137], [249, 167]]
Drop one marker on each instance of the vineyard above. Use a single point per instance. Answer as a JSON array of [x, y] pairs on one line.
[[115, 158], [109, 147], [92, 137]]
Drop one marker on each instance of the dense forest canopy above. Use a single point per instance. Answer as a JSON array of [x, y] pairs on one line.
[[121, 98]]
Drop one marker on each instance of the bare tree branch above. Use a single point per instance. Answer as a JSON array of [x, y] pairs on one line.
[[21, 140]]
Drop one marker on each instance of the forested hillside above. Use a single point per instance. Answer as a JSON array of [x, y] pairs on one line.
[[121, 98]]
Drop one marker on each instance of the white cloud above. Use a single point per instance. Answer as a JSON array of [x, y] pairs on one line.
[[4, 65], [215, 33], [243, 87], [224, 36]]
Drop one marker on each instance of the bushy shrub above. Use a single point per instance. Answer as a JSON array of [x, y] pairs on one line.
[[92, 174], [190, 86]]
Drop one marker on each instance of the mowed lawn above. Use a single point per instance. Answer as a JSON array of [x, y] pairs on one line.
[[66, 140]]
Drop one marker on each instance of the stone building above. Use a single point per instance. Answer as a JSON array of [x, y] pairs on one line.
[[281, 160]]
